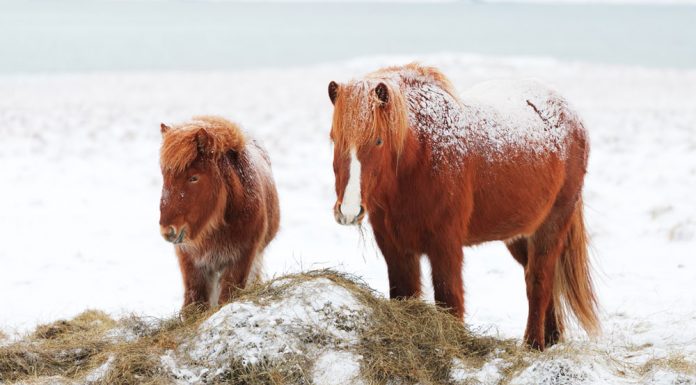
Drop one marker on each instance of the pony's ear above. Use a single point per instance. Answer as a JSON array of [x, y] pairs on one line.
[[233, 156], [333, 91], [382, 93], [164, 128], [202, 141]]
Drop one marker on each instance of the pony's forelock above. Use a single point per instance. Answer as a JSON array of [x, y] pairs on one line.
[[207, 136], [360, 117]]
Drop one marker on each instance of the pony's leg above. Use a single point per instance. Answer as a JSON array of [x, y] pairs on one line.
[[446, 268], [196, 288], [403, 269], [235, 276], [518, 249], [544, 250], [552, 328]]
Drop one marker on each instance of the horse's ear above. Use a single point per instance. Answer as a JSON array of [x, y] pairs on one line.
[[164, 128], [382, 93], [202, 141], [233, 155], [333, 91]]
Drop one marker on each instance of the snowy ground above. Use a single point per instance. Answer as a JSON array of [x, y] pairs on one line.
[[81, 184]]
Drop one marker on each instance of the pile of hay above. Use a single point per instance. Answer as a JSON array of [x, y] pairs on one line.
[[319, 328]]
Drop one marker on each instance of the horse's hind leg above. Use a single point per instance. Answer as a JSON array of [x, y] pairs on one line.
[[518, 249], [553, 328], [544, 250], [447, 279]]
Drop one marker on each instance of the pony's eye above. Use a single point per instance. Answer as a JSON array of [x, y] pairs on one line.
[[193, 179], [379, 141]]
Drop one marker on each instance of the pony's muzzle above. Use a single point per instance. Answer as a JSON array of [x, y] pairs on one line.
[[172, 234], [348, 218]]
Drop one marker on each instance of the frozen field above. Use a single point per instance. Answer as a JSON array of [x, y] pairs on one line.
[[81, 183]]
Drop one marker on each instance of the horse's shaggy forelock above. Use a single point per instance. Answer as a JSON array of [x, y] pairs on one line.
[[359, 115], [180, 145]]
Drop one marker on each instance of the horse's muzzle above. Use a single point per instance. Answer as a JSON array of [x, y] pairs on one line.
[[348, 219], [172, 234]]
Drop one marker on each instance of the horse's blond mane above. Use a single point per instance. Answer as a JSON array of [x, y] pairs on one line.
[[360, 117], [211, 135], [414, 74]]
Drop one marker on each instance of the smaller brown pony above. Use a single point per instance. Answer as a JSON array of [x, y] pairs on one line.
[[219, 206], [436, 171]]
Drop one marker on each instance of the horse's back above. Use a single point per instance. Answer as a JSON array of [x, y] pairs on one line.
[[529, 143], [522, 115]]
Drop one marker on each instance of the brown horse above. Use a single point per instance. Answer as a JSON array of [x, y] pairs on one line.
[[219, 206], [436, 172]]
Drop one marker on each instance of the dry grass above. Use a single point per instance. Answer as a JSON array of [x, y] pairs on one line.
[[676, 363], [291, 371], [62, 348], [72, 348], [137, 362], [400, 342], [407, 340]]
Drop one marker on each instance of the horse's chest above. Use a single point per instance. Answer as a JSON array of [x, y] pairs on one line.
[[421, 220], [404, 231], [217, 259]]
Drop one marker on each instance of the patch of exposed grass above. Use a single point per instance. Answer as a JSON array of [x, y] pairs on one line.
[[61, 348], [71, 348], [675, 363], [416, 342], [290, 371], [90, 322]]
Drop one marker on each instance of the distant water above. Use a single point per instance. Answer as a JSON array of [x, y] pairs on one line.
[[74, 36]]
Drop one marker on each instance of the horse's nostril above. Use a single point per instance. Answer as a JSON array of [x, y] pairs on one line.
[[362, 211], [169, 233]]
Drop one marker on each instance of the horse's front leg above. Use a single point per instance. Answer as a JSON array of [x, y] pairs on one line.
[[235, 276], [403, 269], [196, 281], [446, 264]]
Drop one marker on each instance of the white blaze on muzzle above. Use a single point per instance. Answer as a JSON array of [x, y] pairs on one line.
[[350, 207]]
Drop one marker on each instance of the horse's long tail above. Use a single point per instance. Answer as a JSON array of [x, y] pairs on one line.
[[573, 290]]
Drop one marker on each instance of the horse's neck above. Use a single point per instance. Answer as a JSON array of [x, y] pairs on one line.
[[402, 169]]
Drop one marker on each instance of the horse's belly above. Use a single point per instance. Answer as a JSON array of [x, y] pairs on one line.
[[501, 225], [513, 204]]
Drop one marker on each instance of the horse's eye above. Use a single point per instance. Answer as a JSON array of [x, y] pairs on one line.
[[193, 179], [379, 141]]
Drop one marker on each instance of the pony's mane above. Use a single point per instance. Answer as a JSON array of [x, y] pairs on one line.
[[359, 115], [212, 136]]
